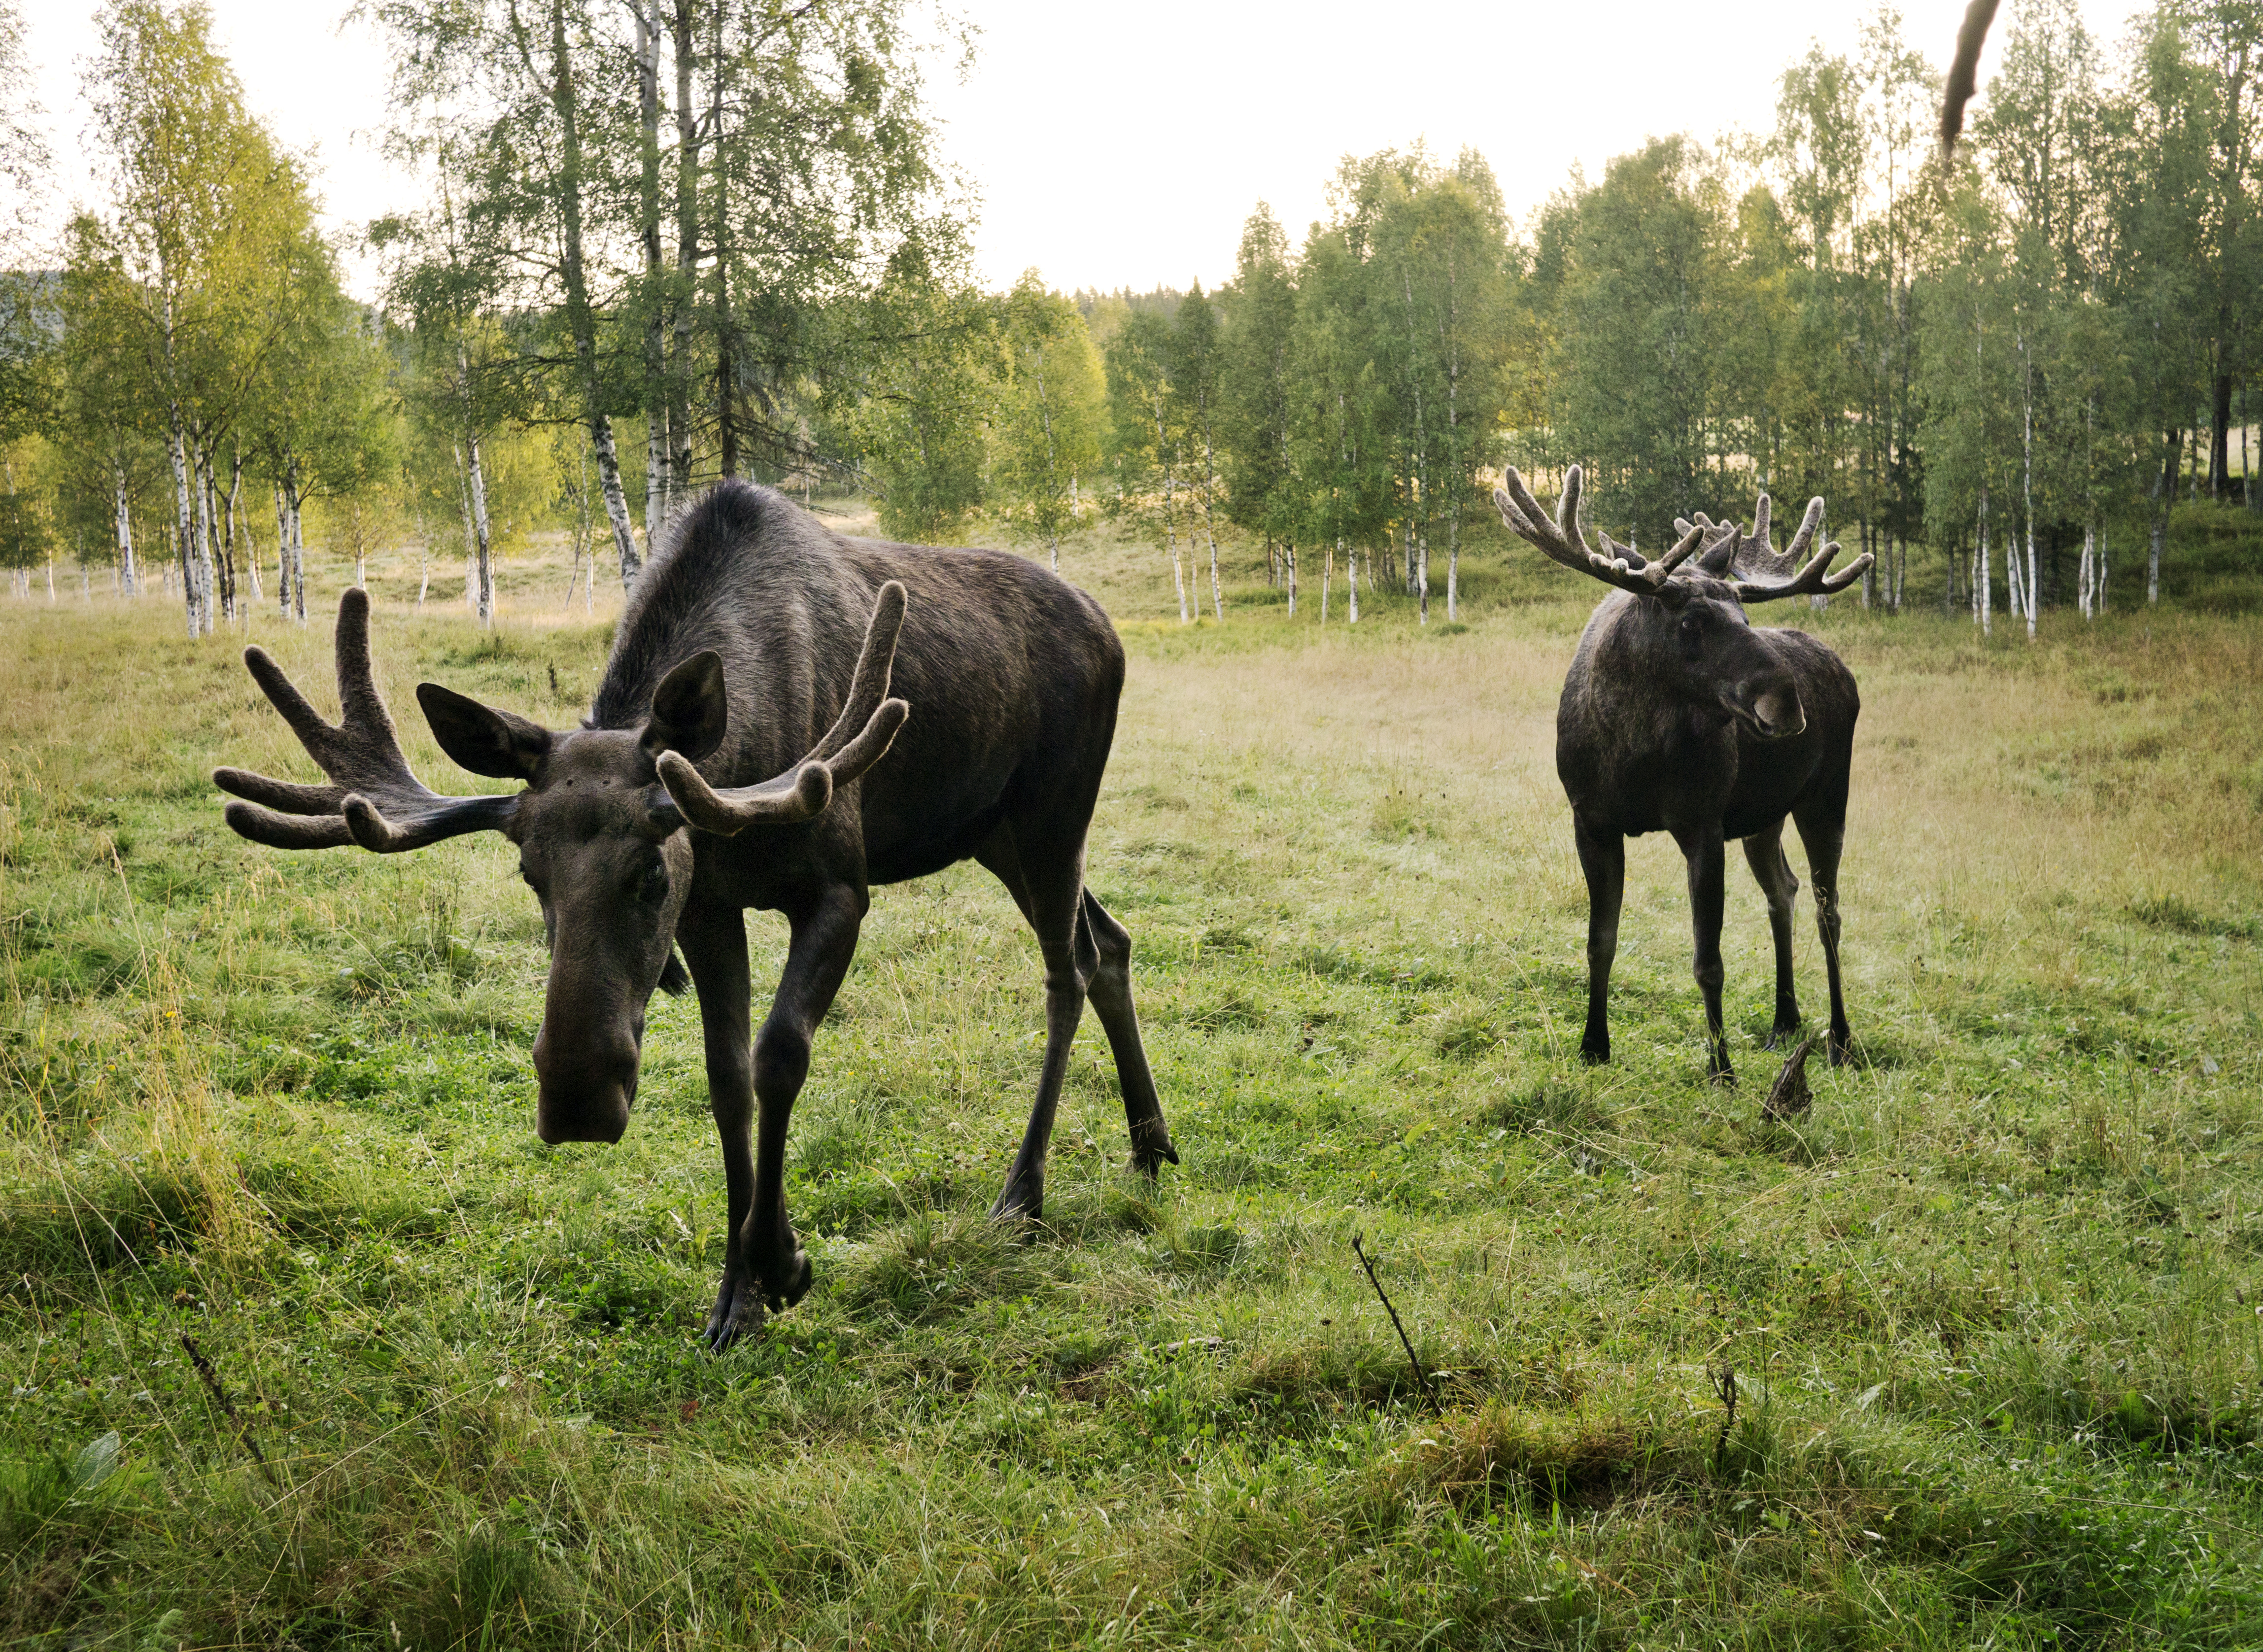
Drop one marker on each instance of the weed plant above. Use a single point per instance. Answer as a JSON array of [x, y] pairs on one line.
[[1992, 1307]]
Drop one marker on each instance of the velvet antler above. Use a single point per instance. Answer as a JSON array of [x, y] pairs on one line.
[[1758, 573], [373, 799], [1560, 539], [859, 738]]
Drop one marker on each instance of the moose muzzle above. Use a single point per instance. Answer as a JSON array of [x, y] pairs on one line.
[[1777, 712], [585, 1081]]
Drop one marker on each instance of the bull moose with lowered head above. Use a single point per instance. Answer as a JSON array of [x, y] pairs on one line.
[[1677, 715], [732, 759]]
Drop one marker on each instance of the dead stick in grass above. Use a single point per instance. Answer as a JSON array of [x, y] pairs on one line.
[[227, 1406], [1421, 1375], [1725, 1386]]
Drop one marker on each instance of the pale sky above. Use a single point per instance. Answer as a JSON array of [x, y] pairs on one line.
[[1124, 148]]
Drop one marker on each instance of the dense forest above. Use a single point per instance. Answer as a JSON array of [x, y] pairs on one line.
[[662, 243]]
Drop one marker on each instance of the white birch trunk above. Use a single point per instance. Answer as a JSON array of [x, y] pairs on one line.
[[1209, 525], [1351, 582], [2027, 479], [184, 533], [470, 534], [656, 485], [298, 541], [1170, 522], [2098, 594], [250, 552], [1984, 580], [282, 556], [1327, 578], [616, 505], [483, 564], [1289, 556], [209, 545], [128, 586]]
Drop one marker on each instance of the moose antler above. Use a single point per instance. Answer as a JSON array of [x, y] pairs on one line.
[[859, 738], [373, 799], [1757, 573], [1561, 540]]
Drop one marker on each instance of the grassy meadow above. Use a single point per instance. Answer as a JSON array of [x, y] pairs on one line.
[[1994, 1308]]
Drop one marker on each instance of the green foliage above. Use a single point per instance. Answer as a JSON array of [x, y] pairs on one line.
[[1053, 411], [923, 401]]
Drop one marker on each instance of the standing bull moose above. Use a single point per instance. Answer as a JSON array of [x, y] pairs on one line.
[[1677, 715], [732, 759]]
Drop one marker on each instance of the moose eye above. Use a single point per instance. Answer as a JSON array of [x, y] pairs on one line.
[[653, 887]]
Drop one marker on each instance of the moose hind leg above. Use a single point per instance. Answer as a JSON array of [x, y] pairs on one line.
[[1823, 831], [1045, 884], [1764, 853], [1602, 856], [1111, 1001]]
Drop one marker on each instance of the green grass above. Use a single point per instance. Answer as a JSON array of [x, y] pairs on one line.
[[1995, 1306]]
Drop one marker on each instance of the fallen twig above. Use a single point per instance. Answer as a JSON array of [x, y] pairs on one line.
[[1421, 1375], [227, 1406]]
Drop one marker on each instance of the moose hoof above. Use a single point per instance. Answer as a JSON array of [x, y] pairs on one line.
[[1780, 1035], [798, 1275], [1841, 1049], [1148, 1156], [1595, 1055], [1020, 1201], [738, 1313]]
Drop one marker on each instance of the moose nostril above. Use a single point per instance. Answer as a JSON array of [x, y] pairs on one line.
[[1778, 713]]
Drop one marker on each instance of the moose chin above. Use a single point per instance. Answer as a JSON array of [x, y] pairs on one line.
[[746, 749], [1678, 716]]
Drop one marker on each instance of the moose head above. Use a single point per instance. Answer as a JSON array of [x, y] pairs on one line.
[[1693, 641], [601, 828]]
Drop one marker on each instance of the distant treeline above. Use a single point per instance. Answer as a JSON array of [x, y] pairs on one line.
[[725, 228]]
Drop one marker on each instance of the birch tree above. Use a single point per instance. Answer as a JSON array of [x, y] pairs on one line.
[[1196, 361], [1053, 408], [1255, 392], [1147, 439], [207, 219]]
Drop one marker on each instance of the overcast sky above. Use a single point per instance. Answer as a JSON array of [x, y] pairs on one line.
[[1124, 147]]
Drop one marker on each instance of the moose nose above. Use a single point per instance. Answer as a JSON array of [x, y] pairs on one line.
[[1778, 713], [583, 1086]]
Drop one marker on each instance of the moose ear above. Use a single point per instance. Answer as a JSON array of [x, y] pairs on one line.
[[477, 737], [689, 709]]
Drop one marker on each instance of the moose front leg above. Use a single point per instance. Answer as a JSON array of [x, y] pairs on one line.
[[1602, 856], [1704, 851], [755, 1083], [714, 944]]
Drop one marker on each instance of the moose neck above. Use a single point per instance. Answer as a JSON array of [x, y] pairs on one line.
[[745, 575]]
